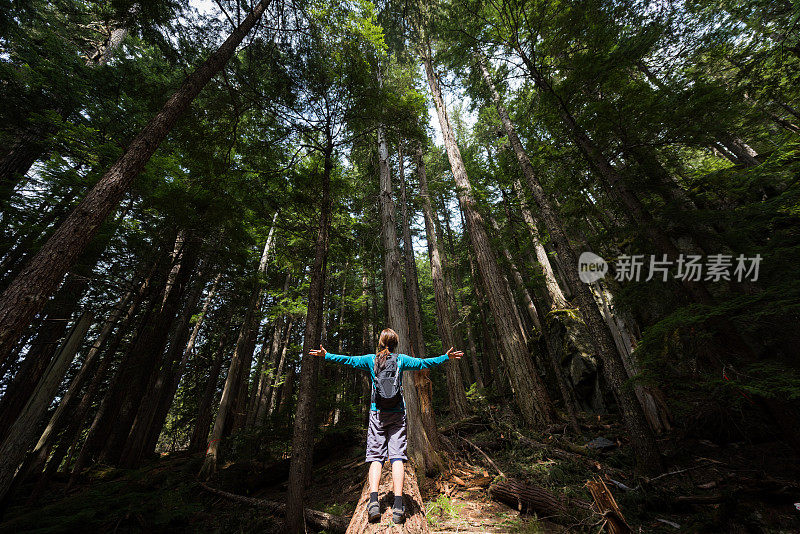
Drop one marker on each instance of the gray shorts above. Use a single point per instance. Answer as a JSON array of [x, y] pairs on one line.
[[386, 436]]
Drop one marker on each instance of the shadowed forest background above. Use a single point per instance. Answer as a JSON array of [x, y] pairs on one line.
[[194, 194]]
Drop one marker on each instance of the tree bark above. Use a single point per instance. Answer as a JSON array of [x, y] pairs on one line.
[[77, 418], [52, 329], [415, 522], [131, 374], [149, 349], [555, 364], [554, 293], [43, 349], [741, 151], [266, 395], [651, 398], [529, 391], [642, 439], [275, 387], [28, 292], [304, 427]]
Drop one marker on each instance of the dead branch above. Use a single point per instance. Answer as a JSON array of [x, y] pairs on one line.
[[491, 462]]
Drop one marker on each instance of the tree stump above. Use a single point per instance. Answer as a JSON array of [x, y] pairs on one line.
[[415, 523]]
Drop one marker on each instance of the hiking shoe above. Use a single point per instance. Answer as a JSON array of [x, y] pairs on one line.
[[374, 511], [398, 515]]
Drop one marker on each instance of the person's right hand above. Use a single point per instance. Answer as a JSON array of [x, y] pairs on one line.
[[321, 352]]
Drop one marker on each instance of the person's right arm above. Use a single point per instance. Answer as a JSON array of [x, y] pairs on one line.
[[359, 362]]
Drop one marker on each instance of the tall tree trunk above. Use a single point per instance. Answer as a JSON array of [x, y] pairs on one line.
[[78, 417], [66, 407], [245, 344], [423, 437], [455, 296], [148, 351], [341, 372], [154, 406], [28, 292], [458, 399], [494, 367], [274, 387], [43, 349], [609, 177], [552, 354], [554, 293], [204, 412], [287, 389], [265, 366], [304, 427], [127, 371], [651, 398], [265, 395], [642, 438], [741, 151], [73, 417], [729, 344], [529, 391], [24, 430], [52, 329]]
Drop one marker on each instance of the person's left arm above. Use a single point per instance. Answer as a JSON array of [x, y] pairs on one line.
[[410, 363]]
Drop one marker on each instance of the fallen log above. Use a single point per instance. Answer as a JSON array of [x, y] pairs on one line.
[[527, 498], [415, 522], [320, 520]]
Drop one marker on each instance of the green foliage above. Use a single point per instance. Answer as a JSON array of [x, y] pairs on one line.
[[442, 509]]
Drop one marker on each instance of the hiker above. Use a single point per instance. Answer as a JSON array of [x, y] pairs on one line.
[[386, 435]]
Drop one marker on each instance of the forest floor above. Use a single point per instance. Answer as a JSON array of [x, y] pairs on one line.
[[707, 487]]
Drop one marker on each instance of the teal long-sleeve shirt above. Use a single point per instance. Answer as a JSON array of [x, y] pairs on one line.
[[404, 363]]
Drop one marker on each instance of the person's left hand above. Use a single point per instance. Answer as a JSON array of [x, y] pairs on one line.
[[457, 354]]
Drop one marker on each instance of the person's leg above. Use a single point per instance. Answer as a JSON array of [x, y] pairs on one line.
[[397, 455], [398, 474], [375, 475], [376, 454]]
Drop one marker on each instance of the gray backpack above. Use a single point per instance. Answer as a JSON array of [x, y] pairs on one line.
[[387, 393]]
